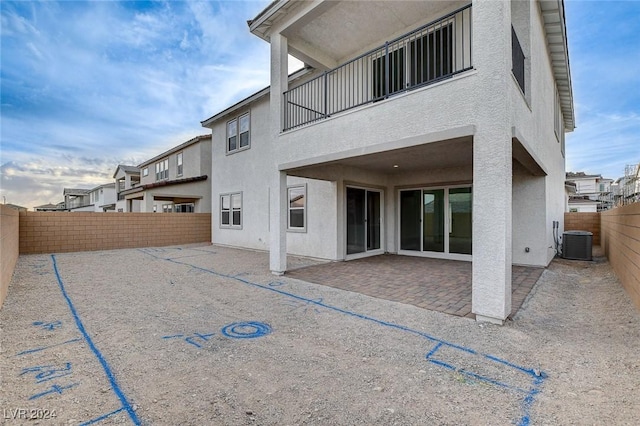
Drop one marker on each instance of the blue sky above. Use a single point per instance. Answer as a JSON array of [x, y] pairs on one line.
[[89, 85]]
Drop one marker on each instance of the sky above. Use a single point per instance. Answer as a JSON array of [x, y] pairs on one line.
[[85, 86]]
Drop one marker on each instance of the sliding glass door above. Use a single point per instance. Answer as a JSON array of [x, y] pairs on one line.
[[364, 220], [436, 220]]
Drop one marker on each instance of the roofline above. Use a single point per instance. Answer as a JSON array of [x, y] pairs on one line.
[[261, 23], [183, 145], [121, 166], [251, 98], [553, 15]]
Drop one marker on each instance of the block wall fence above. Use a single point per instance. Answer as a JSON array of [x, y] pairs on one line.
[[9, 249], [621, 244], [584, 222]]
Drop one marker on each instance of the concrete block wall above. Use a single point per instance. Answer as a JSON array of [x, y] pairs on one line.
[[621, 244], [57, 232], [9, 232], [584, 222]]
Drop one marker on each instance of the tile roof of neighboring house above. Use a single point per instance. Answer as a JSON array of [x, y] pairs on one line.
[[126, 169], [15, 207], [75, 191], [581, 175], [175, 149], [46, 206], [163, 183], [582, 201]]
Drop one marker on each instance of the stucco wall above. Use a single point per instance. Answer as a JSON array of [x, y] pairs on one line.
[[56, 232], [584, 222], [249, 172], [621, 243], [9, 232]]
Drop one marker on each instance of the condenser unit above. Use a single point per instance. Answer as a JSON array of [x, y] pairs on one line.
[[576, 245]]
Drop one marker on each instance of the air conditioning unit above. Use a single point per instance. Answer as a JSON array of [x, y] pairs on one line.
[[576, 245]]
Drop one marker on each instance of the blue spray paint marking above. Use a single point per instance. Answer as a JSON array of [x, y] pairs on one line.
[[538, 377], [192, 339], [101, 418], [43, 373], [276, 284], [48, 325], [54, 389], [30, 351], [246, 330], [105, 366], [173, 336]]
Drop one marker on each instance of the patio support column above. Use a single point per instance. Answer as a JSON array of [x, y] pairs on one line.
[[492, 163], [278, 182], [278, 225], [148, 202]]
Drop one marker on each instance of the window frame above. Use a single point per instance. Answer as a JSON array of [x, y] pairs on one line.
[[145, 172], [303, 228], [238, 134], [162, 169], [231, 210], [180, 163]]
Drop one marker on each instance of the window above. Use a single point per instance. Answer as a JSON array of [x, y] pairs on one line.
[[162, 169], [238, 133], [296, 210], [145, 171], [179, 164], [231, 210], [184, 208], [167, 208], [517, 60], [558, 123]]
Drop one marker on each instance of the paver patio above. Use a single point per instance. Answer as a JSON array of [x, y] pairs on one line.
[[435, 284]]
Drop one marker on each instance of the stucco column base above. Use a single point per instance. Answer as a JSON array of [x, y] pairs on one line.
[[277, 273], [482, 318]]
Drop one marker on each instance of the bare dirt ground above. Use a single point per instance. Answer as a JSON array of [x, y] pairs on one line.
[[205, 335]]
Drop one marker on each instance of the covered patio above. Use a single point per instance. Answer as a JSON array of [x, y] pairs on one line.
[[435, 284]]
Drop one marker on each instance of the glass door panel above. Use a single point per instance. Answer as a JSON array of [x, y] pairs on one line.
[[410, 210], [433, 222], [373, 220], [460, 220], [355, 220]]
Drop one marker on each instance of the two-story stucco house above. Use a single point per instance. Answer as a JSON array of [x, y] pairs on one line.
[[126, 177], [176, 180], [430, 128], [102, 198]]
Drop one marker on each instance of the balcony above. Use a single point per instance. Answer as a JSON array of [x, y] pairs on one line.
[[431, 53]]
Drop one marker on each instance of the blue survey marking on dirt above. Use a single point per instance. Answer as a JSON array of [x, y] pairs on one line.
[[105, 366], [103, 417], [51, 325], [246, 330], [42, 348], [536, 376], [192, 339], [53, 389], [44, 373]]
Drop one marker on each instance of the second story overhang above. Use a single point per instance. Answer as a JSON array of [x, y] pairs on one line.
[[324, 34]]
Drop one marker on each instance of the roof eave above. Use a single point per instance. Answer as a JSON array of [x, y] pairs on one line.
[[556, 34]]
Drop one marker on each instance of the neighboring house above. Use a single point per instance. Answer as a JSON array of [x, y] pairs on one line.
[[77, 200], [176, 180], [594, 188], [126, 177], [102, 198], [50, 207], [569, 191], [582, 205], [16, 207], [426, 128]]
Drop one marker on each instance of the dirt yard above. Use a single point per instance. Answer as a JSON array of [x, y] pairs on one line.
[[205, 335]]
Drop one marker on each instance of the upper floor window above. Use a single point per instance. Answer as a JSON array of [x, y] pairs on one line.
[[238, 131], [162, 169], [558, 123], [296, 209], [179, 164], [145, 171], [517, 60]]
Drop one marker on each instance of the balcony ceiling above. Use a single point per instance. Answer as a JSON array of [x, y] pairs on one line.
[[340, 30], [430, 156]]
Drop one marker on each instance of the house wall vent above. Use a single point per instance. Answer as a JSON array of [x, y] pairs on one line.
[[576, 245]]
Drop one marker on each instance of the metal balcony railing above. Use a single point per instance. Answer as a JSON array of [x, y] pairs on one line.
[[433, 52]]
